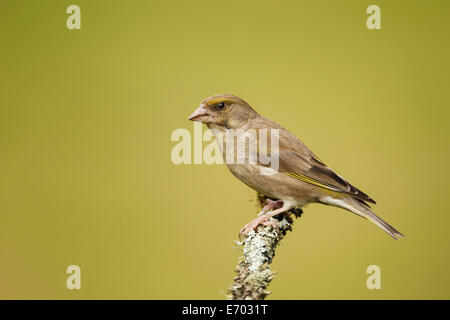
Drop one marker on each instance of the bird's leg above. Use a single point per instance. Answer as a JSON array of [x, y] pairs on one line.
[[272, 205], [264, 219]]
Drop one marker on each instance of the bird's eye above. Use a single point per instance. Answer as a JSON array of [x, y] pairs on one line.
[[221, 105]]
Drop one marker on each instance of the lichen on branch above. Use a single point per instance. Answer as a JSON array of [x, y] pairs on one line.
[[253, 273]]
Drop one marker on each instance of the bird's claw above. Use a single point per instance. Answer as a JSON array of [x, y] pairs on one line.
[[252, 225]]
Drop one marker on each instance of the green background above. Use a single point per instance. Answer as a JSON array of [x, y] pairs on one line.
[[86, 118]]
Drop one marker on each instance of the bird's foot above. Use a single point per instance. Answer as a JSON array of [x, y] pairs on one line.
[[252, 225], [272, 205]]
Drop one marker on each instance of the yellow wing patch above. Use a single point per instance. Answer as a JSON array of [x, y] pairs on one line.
[[313, 181]]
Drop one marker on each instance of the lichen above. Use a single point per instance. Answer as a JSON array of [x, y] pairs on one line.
[[253, 273]]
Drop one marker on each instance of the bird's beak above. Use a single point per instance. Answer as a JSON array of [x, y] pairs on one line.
[[201, 114]]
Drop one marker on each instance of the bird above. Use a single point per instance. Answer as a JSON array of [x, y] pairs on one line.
[[300, 177]]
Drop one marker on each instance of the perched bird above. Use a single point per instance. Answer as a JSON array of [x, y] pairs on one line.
[[300, 177]]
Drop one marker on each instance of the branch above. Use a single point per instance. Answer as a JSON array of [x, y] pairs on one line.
[[253, 268]]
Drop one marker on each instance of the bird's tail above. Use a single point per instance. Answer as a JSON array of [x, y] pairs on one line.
[[362, 210]]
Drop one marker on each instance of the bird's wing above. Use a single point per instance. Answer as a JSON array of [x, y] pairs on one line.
[[297, 161], [313, 171]]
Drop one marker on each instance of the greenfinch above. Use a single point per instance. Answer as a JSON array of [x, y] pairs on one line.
[[299, 178]]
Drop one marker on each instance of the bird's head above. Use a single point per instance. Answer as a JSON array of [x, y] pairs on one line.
[[224, 110]]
